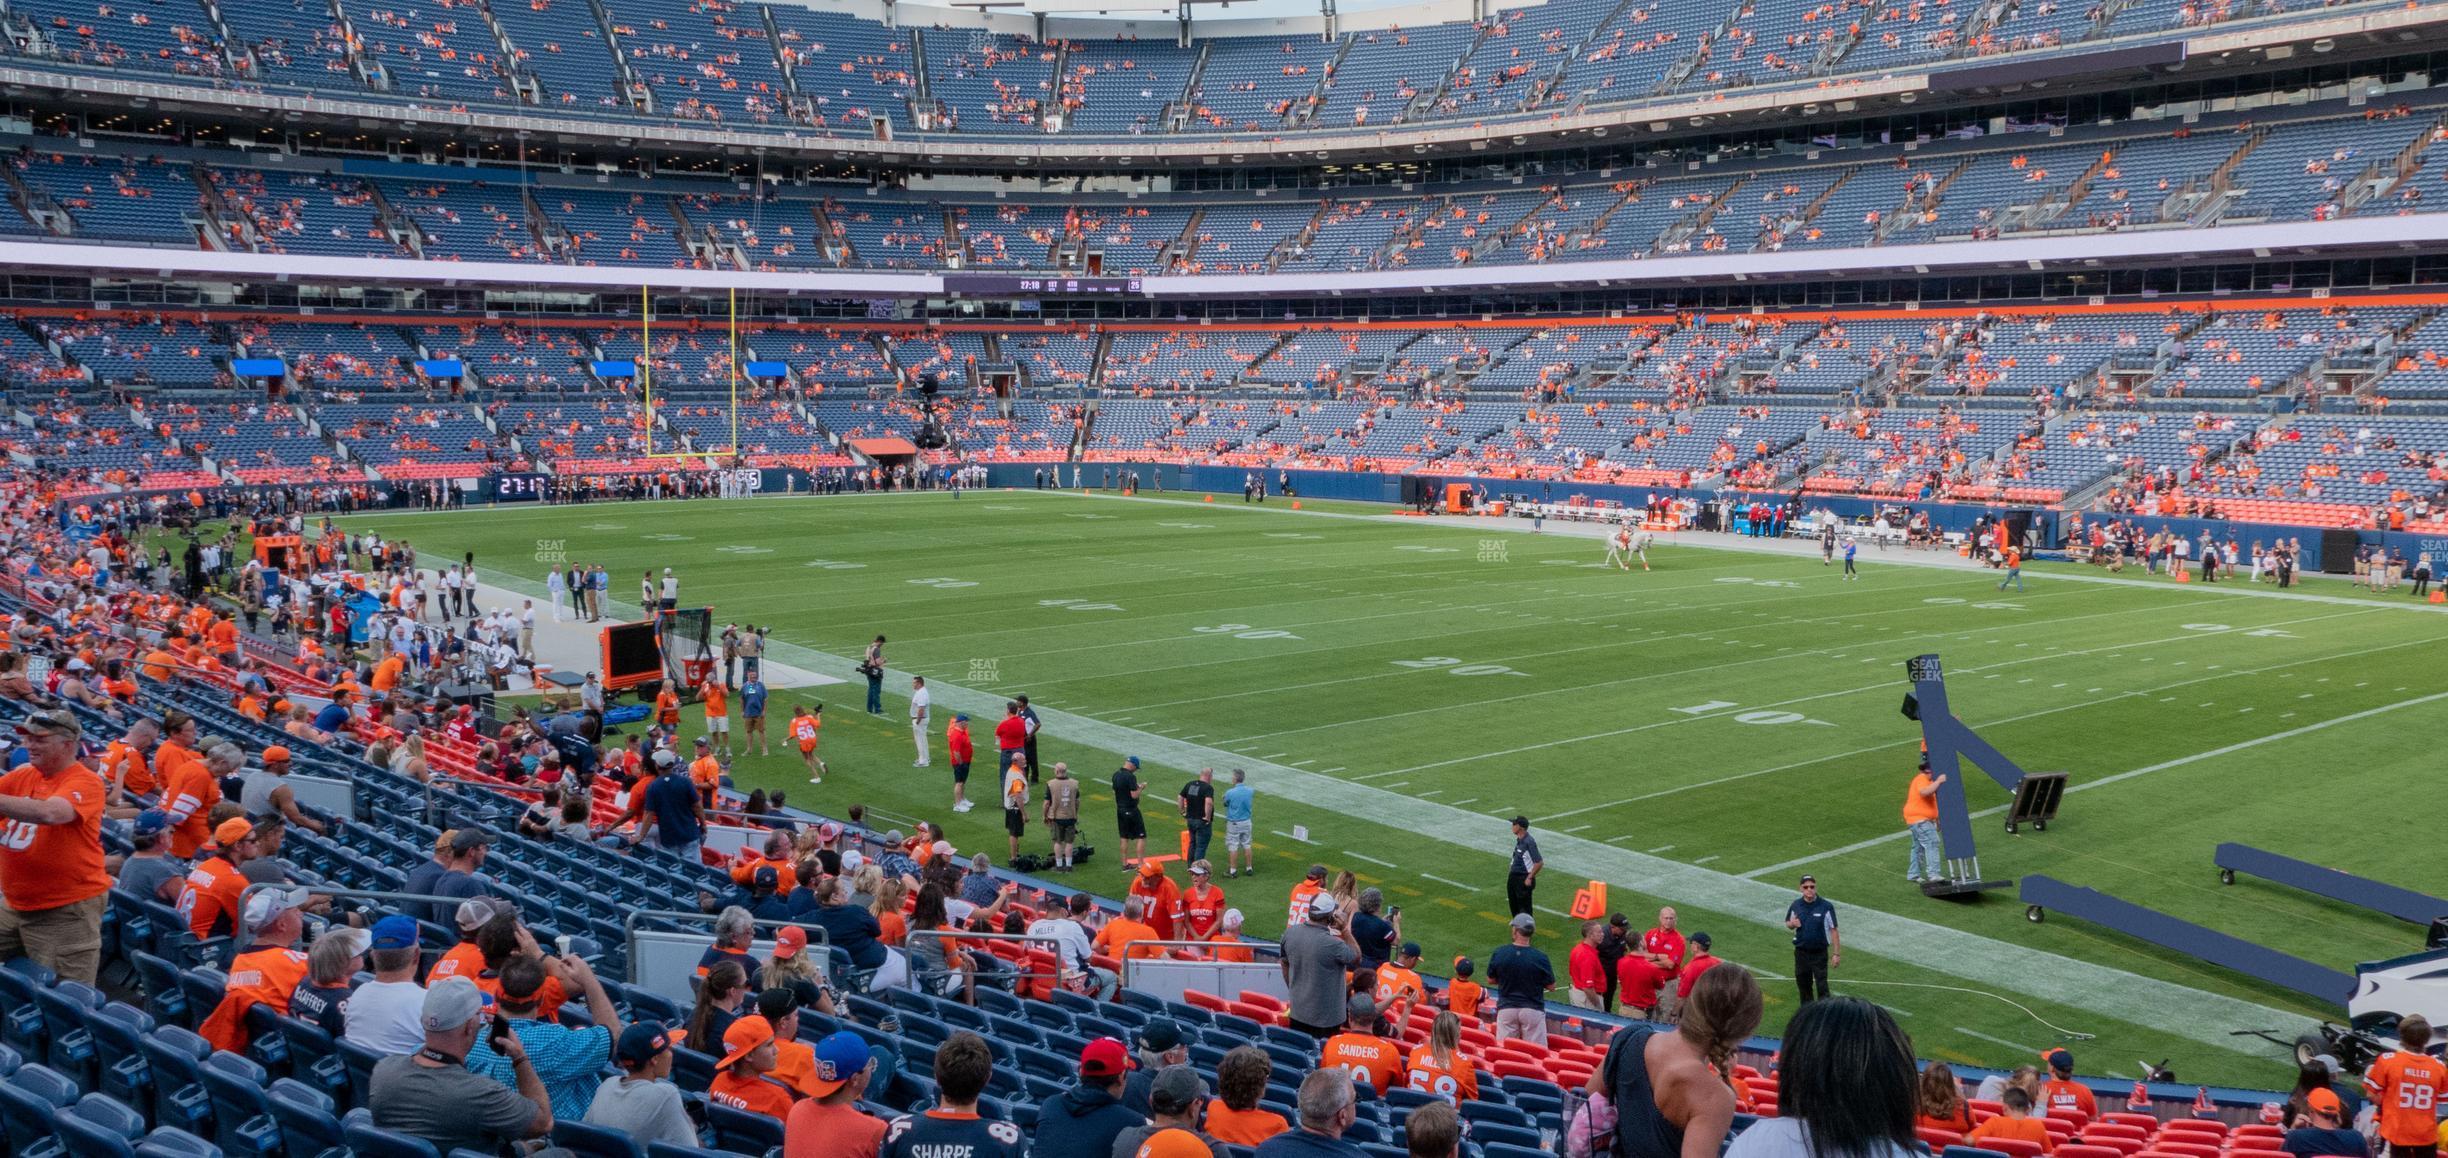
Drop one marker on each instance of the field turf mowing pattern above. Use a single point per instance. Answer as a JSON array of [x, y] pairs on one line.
[[1731, 710]]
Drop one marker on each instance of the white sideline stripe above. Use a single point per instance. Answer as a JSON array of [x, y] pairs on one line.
[[2027, 1050], [1289, 836], [1455, 884], [2104, 781], [1370, 859], [2177, 1010]]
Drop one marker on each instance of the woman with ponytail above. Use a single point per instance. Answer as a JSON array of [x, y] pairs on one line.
[[1673, 1093]]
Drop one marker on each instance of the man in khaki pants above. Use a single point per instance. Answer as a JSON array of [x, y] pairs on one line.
[[51, 873]]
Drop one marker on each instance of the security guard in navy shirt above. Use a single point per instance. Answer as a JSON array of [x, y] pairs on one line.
[[1816, 944]]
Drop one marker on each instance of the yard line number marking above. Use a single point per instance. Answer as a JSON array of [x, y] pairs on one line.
[[1453, 666], [1244, 631]]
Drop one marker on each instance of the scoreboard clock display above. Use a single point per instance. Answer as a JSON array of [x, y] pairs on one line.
[[515, 488], [1037, 285]]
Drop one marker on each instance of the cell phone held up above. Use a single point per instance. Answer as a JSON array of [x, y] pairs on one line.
[[497, 1033]]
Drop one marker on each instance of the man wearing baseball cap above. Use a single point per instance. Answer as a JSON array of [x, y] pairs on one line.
[[641, 1101], [150, 871], [1817, 946], [740, 1080], [1083, 1121], [51, 868], [1318, 955], [828, 1123], [2322, 1129], [2061, 1091], [1175, 1096], [431, 1094], [266, 792], [1522, 975], [211, 894], [383, 1014], [267, 972]]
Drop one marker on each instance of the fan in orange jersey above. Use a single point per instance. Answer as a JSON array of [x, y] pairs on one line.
[[1440, 1067], [1358, 1050]]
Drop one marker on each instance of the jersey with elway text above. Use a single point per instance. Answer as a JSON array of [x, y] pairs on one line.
[[944, 1134]]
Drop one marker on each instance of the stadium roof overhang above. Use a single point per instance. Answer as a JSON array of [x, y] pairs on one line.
[[2344, 237], [2368, 29]]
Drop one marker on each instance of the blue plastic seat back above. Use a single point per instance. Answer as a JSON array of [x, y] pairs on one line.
[[170, 1142], [243, 1123], [593, 1141], [368, 1141], [309, 1119], [94, 1136]]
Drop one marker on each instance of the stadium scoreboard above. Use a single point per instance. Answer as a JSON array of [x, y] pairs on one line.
[[1015, 285]]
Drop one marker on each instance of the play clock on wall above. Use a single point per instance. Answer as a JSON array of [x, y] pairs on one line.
[[518, 488], [1015, 285]]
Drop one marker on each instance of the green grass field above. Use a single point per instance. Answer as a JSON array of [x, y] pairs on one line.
[[1696, 735]]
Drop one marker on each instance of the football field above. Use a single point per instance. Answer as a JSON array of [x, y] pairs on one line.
[[1695, 735]]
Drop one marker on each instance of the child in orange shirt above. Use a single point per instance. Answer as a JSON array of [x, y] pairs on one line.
[[2016, 1123]]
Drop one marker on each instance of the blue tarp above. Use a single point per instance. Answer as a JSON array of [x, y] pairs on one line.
[[259, 368]]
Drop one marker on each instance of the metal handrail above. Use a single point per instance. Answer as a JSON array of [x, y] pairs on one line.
[[1261, 952], [1052, 945]]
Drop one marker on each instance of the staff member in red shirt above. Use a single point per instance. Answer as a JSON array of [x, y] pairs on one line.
[[1701, 962], [1011, 736], [51, 873], [963, 750]]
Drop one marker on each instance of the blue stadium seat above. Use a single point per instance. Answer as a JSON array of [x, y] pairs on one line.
[[309, 1120], [167, 1142], [119, 1031], [314, 1057], [366, 1140], [102, 1127], [21, 1023], [593, 1141], [180, 1100], [743, 1131], [242, 1115], [30, 1101], [70, 1049], [667, 1150], [359, 1059]]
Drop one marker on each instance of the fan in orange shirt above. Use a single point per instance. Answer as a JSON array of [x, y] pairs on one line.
[[1463, 995], [1117, 938], [714, 698], [1235, 1117], [2061, 1093], [1358, 1050], [667, 706], [1440, 1067], [2407, 1086], [1228, 937], [705, 772], [1398, 983], [2016, 1123]]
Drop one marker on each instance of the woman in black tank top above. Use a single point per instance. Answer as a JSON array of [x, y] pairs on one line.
[[1662, 1085]]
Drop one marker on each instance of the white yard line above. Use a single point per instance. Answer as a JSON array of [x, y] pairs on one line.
[[1450, 883], [1370, 859]]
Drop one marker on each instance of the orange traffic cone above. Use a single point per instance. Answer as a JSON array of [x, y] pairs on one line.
[[1296, 504], [2183, 576], [1207, 499], [2438, 596]]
